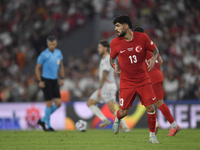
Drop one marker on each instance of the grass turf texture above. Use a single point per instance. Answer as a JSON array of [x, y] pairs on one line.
[[137, 139]]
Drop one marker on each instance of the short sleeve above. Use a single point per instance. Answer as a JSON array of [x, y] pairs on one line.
[[61, 56], [149, 44], [113, 52], [106, 64], [41, 59]]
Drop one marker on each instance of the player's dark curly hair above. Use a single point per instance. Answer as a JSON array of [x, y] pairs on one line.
[[51, 38], [123, 19], [139, 29], [104, 43]]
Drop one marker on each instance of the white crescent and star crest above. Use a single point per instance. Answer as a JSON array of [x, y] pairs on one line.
[[138, 49]]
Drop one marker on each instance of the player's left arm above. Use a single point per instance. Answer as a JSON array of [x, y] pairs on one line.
[[149, 45], [102, 80], [62, 73], [160, 60], [152, 60]]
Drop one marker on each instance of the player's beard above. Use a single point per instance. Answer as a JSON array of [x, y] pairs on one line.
[[122, 34]]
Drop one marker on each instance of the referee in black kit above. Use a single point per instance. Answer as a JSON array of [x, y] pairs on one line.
[[50, 60]]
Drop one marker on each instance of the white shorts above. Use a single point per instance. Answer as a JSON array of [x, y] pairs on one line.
[[106, 96]]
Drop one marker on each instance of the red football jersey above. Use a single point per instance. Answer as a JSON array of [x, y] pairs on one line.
[[155, 74], [131, 57]]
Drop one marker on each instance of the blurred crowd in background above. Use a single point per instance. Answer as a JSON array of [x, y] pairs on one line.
[[174, 26]]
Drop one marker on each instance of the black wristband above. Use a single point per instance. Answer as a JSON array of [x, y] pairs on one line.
[[62, 77]]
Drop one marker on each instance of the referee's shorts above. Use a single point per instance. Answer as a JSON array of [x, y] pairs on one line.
[[51, 89]]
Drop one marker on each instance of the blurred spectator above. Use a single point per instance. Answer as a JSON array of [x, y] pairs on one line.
[[171, 87], [24, 27], [194, 91], [182, 91]]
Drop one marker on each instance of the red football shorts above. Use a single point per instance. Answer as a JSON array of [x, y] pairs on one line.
[[158, 90], [127, 96]]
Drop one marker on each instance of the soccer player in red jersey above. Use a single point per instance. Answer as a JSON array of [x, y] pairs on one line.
[[131, 48], [156, 78]]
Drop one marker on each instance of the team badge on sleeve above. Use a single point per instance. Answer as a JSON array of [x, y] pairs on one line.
[[58, 62], [151, 43]]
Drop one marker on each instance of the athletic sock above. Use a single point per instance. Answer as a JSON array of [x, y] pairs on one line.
[[152, 121], [123, 123], [47, 116], [53, 108], [151, 134], [166, 112], [118, 116], [43, 118], [97, 112], [173, 125], [115, 114]]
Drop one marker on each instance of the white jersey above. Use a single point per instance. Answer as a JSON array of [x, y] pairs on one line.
[[110, 82]]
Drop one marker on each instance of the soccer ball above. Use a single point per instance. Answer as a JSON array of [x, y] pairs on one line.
[[81, 126]]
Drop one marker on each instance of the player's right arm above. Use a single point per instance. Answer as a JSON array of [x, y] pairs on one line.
[[115, 66], [38, 75], [113, 55], [160, 60], [40, 61]]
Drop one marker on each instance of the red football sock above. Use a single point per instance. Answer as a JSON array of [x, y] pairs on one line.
[[152, 121], [166, 112], [118, 116]]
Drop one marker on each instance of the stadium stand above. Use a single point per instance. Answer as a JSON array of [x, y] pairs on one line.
[[174, 27]]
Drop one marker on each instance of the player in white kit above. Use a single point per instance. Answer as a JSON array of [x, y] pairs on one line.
[[106, 93]]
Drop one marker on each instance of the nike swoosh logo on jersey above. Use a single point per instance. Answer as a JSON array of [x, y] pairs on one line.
[[153, 98], [122, 51]]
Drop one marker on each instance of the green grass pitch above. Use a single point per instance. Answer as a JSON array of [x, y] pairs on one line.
[[137, 139]]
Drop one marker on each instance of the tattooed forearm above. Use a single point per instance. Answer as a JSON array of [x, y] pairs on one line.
[[156, 53], [112, 61]]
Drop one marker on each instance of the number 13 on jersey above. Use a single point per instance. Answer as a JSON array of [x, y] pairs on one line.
[[133, 59]]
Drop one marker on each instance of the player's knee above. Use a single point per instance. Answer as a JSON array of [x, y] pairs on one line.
[[49, 103], [159, 103], [59, 104], [89, 103], [150, 108]]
